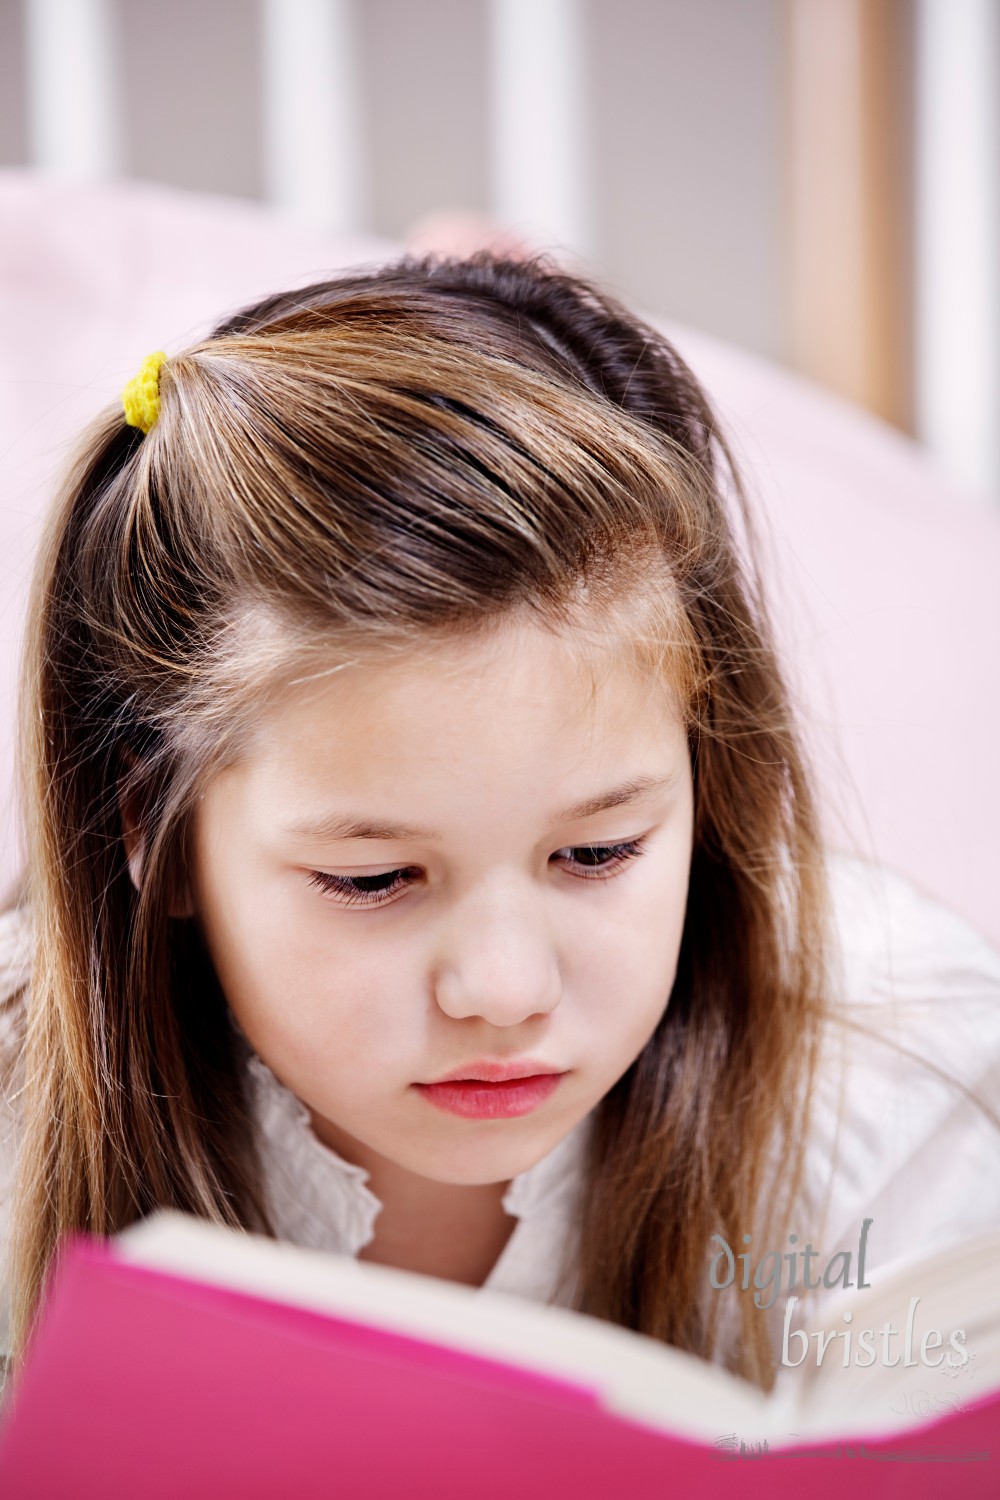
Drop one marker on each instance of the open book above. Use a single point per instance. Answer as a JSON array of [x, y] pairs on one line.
[[184, 1359]]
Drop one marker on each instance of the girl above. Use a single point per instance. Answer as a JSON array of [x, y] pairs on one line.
[[422, 860]]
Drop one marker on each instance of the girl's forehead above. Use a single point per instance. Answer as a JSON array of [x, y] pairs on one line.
[[580, 674], [513, 722]]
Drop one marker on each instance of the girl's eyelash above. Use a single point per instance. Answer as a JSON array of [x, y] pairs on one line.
[[375, 890], [360, 890], [619, 854]]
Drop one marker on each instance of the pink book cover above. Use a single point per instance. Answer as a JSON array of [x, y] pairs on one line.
[[147, 1384]]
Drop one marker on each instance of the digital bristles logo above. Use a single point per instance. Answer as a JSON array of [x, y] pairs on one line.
[[860, 1347]]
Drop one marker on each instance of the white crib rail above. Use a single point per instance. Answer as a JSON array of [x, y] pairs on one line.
[[538, 132], [72, 86], [312, 127], [958, 236]]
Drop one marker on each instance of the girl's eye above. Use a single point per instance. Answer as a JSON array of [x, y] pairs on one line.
[[593, 861], [596, 861], [364, 890]]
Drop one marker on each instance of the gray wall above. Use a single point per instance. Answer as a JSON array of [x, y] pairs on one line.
[[190, 86], [13, 124], [687, 158]]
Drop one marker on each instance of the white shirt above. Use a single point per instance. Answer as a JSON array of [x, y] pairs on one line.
[[913, 1154]]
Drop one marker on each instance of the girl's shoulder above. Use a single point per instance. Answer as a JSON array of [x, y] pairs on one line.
[[16, 939], [16, 954], [906, 1121], [896, 939]]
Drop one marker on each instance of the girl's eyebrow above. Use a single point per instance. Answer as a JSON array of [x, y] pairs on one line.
[[628, 791], [334, 826]]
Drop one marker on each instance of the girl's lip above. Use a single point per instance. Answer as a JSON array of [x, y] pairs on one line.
[[485, 1070], [477, 1099]]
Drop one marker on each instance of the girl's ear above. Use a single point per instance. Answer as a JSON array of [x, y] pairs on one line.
[[133, 836]]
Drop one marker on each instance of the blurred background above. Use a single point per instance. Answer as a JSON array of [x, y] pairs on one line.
[[813, 180]]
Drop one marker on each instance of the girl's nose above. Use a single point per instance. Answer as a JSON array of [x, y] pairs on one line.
[[497, 958]]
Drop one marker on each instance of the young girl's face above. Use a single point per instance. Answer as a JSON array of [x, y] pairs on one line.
[[477, 854]]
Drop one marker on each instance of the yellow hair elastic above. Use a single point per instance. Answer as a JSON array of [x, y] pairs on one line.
[[141, 397]]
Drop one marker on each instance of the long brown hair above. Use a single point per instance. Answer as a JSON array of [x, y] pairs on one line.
[[359, 465]]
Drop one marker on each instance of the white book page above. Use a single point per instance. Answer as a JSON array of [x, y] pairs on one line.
[[637, 1378], [955, 1290]]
